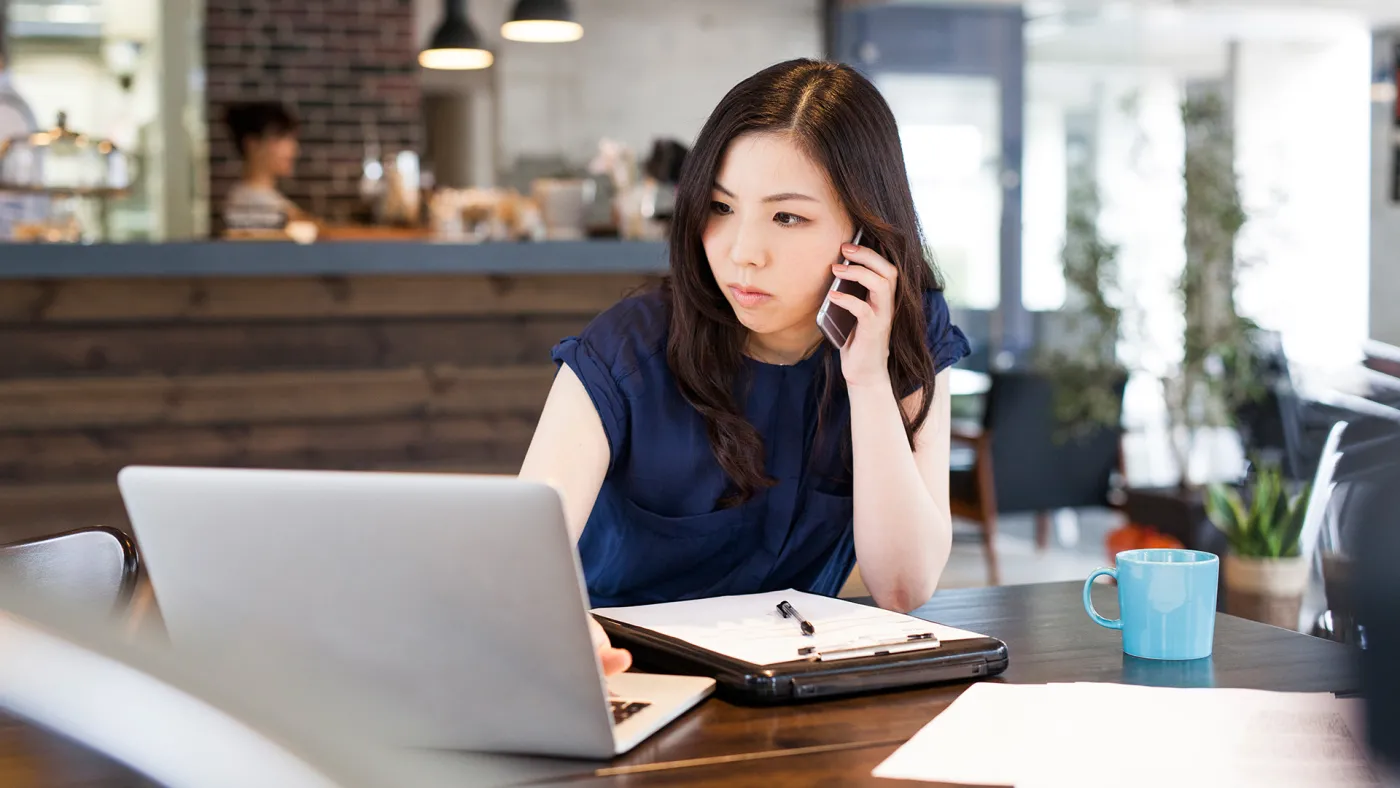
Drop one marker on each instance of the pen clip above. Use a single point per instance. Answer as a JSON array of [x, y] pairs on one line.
[[922, 640]]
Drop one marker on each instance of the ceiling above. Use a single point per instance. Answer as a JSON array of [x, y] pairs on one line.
[[1191, 36], [1376, 13]]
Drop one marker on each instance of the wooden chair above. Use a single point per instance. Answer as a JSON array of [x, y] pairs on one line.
[[92, 568], [1022, 463]]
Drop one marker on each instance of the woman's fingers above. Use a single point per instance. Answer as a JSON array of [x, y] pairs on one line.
[[862, 311], [870, 259], [881, 289], [615, 660]]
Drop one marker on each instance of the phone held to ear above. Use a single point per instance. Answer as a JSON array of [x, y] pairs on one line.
[[835, 322]]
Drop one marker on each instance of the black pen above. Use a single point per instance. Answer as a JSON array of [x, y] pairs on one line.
[[789, 611]]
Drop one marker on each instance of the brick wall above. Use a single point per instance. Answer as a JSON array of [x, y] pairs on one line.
[[348, 67]]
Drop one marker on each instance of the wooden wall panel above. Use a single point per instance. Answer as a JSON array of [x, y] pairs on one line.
[[84, 300], [427, 373], [37, 509], [272, 397], [119, 349], [48, 456]]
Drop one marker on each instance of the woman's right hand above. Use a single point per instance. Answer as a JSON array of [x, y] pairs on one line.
[[613, 660]]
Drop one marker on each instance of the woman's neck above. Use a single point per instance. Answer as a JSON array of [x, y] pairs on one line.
[[785, 347], [258, 179]]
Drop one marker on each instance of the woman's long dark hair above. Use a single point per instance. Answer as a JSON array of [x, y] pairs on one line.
[[844, 125]]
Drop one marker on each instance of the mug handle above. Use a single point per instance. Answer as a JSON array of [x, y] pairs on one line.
[[1111, 623]]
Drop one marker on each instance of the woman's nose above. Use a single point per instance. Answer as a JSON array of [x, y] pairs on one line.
[[747, 248]]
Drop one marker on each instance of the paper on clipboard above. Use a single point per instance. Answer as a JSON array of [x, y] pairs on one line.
[[750, 628]]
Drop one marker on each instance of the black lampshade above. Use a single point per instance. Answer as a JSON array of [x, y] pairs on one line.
[[455, 44], [546, 21]]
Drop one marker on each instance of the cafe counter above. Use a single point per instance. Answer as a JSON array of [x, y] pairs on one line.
[[370, 355]]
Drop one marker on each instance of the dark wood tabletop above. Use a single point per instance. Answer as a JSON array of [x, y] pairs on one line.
[[1049, 638]]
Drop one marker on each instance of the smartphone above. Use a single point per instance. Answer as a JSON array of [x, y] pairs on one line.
[[837, 323]]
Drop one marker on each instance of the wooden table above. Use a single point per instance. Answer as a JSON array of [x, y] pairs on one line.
[[839, 742]]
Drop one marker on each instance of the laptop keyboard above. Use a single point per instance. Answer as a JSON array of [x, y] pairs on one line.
[[622, 709]]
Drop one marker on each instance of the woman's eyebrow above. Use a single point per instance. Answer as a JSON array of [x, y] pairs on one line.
[[772, 197]]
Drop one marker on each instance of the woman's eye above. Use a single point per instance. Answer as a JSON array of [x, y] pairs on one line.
[[720, 208], [788, 219]]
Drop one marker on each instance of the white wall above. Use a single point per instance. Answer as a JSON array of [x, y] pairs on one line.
[[1302, 124], [80, 85], [53, 82], [1385, 220], [1141, 147], [644, 68]]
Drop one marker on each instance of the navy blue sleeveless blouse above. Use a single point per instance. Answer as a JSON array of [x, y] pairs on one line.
[[657, 532]]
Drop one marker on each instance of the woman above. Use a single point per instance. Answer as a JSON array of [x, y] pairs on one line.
[[705, 438], [265, 133]]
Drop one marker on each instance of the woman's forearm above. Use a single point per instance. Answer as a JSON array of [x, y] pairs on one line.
[[903, 537]]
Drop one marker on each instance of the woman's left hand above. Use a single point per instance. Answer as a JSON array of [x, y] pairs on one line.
[[865, 358]]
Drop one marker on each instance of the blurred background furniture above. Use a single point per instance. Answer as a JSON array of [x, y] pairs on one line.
[[1366, 468], [1020, 459]]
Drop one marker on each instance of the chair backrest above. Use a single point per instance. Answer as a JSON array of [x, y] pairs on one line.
[[93, 569], [176, 721], [1270, 426], [1364, 479], [1283, 425], [1037, 466], [1322, 488]]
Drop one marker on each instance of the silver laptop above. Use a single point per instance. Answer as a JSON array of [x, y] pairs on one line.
[[454, 605]]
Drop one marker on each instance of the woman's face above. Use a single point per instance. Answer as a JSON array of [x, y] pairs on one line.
[[274, 153], [776, 227]]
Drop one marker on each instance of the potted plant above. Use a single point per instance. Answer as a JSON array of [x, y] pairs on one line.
[[1265, 573], [1217, 372], [1084, 371]]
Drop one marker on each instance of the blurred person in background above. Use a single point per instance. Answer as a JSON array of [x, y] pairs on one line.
[[266, 135]]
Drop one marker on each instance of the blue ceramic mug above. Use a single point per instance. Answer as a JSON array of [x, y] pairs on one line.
[[1166, 600]]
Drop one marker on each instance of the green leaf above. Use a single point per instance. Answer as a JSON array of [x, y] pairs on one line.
[[1277, 527], [1256, 519], [1220, 509], [1272, 543], [1232, 496], [1294, 527], [1262, 505]]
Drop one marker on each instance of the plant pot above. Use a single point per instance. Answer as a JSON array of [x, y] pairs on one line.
[[1269, 590]]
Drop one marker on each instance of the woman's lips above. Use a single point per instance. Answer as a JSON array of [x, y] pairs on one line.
[[749, 297]]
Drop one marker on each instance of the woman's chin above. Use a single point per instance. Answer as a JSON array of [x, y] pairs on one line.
[[756, 322], [770, 325]]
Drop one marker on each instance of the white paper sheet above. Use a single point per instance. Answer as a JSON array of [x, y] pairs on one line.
[[985, 737], [749, 627], [1085, 735], [1224, 737]]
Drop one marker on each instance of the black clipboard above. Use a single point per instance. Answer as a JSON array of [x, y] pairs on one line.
[[809, 679]]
